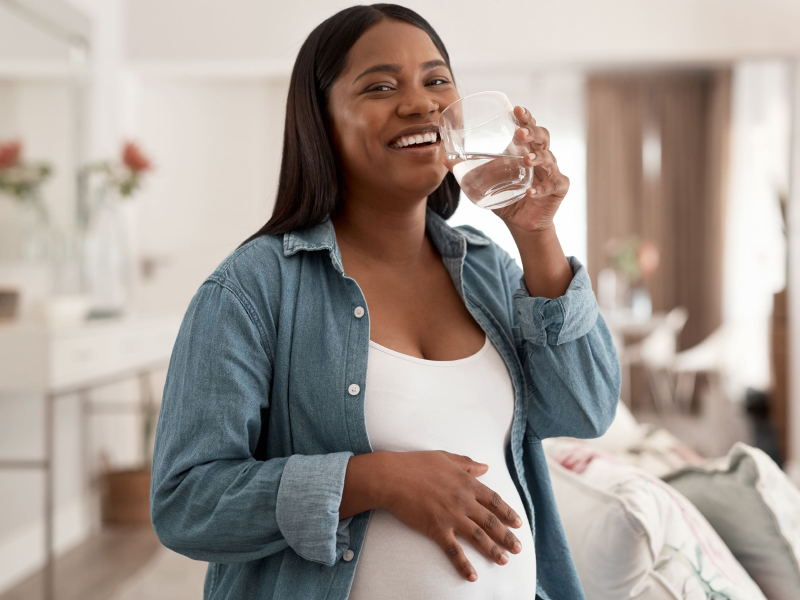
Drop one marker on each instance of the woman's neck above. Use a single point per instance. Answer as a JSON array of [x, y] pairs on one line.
[[385, 234]]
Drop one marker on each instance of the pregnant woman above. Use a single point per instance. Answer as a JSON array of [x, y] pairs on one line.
[[357, 396]]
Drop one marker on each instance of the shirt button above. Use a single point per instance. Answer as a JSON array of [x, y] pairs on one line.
[[348, 555], [359, 311], [354, 389]]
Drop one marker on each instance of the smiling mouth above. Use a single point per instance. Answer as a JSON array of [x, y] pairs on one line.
[[416, 141], [427, 148]]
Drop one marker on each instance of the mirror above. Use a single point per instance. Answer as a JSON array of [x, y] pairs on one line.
[[44, 53]]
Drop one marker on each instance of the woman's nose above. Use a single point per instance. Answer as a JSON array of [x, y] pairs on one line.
[[419, 105]]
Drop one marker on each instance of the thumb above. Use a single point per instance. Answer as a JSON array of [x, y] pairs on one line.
[[472, 467]]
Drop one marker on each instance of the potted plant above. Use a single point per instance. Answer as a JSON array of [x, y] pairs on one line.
[[29, 236], [632, 260], [107, 270]]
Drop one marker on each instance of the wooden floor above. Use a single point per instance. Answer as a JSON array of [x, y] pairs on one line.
[[95, 569]]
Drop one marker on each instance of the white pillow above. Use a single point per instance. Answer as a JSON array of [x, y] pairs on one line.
[[623, 432], [643, 445], [756, 510], [634, 537]]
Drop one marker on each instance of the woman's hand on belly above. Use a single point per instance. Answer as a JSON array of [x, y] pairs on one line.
[[437, 494]]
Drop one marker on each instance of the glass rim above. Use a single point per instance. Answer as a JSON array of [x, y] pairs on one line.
[[492, 118]]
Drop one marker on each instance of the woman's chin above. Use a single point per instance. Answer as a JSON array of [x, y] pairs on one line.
[[418, 172], [418, 186]]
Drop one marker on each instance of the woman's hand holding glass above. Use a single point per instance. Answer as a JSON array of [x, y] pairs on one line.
[[502, 161], [536, 210]]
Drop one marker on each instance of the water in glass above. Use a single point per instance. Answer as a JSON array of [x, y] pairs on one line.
[[477, 132], [491, 180]]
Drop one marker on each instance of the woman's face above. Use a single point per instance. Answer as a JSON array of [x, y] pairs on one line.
[[369, 110]]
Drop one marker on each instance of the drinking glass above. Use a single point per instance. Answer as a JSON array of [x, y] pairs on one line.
[[478, 136]]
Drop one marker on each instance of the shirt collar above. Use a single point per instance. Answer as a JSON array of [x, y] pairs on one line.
[[447, 239], [322, 236]]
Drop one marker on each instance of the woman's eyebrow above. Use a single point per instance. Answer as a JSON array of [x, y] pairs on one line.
[[426, 66]]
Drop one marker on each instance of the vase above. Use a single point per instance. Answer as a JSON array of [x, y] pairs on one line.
[[25, 233], [641, 303], [106, 269]]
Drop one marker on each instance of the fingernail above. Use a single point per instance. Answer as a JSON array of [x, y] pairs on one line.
[[526, 130], [533, 191], [517, 548], [503, 558], [533, 156], [472, 577], [518, 522]]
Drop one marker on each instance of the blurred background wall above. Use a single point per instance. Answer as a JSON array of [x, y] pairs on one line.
[[674, 121]]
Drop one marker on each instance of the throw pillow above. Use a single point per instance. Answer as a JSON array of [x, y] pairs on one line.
[[634, 537], [756, 511]]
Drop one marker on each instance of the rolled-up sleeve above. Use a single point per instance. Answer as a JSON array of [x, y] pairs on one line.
[[570, 363], [307, 510], [210, 498], [557, 320]]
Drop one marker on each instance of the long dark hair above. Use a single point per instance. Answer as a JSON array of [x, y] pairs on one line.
[[310, 186]]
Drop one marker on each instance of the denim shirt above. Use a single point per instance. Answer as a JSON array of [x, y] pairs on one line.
[[264, 405]]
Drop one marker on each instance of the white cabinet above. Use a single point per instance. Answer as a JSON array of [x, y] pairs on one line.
[[39, 364], [36, 357]]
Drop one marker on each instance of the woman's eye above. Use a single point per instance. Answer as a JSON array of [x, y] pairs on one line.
[[377, 88]]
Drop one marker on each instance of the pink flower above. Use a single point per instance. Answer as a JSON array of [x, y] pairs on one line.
[[10, 153], [649, 258], [134, 159]]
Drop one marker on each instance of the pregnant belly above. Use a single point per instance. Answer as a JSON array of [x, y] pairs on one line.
[[399, 563]]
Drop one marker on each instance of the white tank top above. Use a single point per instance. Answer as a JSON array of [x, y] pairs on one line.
[[463, 406]]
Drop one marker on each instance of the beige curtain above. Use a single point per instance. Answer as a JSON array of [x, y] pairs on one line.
[[657, 167]]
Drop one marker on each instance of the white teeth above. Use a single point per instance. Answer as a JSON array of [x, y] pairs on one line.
[[408, 140]]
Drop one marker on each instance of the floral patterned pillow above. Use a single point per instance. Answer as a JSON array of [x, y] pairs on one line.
[[655, 450], [632, 536], [756, 510]]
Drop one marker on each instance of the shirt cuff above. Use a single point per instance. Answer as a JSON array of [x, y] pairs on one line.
[[307, 508], [559, 320]]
